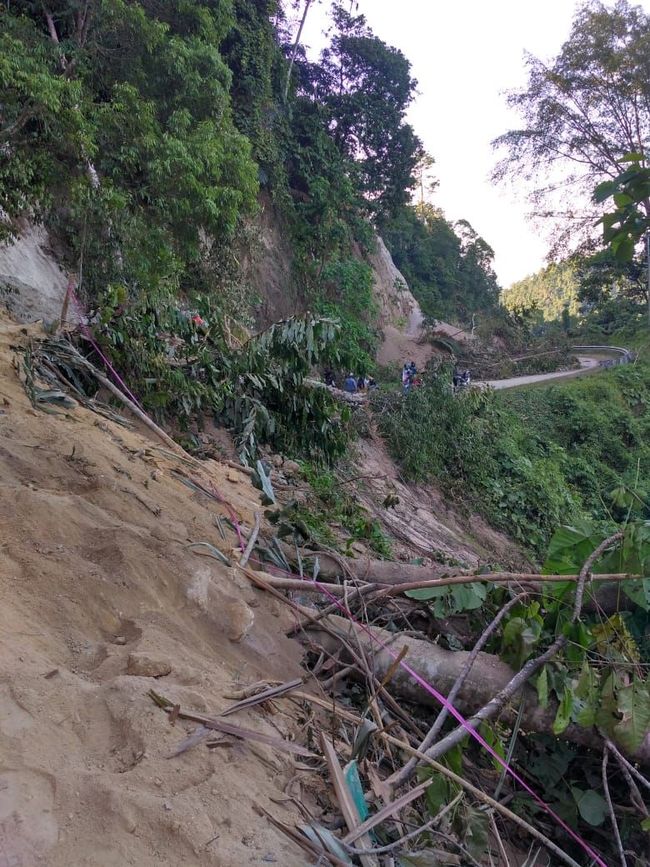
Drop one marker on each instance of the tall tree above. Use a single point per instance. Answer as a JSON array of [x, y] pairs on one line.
[[366, 87], [448, 267], [582, 112]]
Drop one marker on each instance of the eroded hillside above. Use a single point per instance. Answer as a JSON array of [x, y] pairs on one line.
[[102, 599]]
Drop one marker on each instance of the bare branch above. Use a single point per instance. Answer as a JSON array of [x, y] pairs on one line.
[[610, 806]]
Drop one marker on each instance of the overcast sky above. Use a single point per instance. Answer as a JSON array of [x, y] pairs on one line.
[[464, 54]]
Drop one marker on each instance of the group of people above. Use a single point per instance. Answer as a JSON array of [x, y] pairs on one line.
[[410, 377], [351, 383]]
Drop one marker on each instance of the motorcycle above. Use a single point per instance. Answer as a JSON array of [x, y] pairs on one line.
[[462, 381]]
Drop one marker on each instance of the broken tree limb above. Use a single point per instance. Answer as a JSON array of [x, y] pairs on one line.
[[251, 540], [119, 394], [605, 594], [406, 576], [403, 775], [532, 666], [332, 706], [487, 678]]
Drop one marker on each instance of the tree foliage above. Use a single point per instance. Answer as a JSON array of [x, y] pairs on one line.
[[629, 222], [530, 460], [582, 112], [546, 294], [448, 267], [366, 87]]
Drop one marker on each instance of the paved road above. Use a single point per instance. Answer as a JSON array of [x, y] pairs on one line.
[[587, 363]]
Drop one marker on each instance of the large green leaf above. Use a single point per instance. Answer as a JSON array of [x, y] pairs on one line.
[[638, 591], [586, 700], [427, 593], [563, 716], [634, 709], [467, 597], [591, 806], [569, 548]]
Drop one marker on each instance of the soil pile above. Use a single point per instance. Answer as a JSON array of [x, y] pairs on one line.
[[100, 600]]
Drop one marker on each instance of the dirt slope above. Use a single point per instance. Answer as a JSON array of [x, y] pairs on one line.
[[98, 589], [423, 523]]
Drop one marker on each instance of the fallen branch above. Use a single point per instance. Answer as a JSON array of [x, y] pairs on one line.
[[630, 767], [331, 706], [490, 681], [408, 770], [610, 807], [137, 412], [528, 579], [411, 577], [216, 724], [520, 679], [251, 541], [391, 847]]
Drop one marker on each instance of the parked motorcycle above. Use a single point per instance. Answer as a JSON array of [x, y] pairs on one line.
[[461, 380]]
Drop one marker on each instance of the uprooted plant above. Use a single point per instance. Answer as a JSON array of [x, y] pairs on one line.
[[185, 366]]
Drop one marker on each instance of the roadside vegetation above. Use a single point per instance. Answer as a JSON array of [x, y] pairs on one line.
[[531, 459]]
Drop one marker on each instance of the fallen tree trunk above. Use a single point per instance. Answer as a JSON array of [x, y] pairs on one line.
[[440, 667], [602, 596], [365, 569]]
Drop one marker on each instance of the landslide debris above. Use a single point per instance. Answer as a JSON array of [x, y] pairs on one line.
[[101, 600]]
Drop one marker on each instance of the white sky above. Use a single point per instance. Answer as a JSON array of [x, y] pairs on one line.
[[464, 54]]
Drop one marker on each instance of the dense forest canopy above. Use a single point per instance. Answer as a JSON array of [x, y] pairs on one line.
[[448, 267]]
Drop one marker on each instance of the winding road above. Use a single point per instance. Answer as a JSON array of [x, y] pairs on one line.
[[588, 363]]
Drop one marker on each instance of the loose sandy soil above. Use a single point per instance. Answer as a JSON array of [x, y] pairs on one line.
[[101, 600], [97, 589]]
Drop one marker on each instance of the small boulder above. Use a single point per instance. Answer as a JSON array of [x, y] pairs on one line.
[[145, 665], [240, 619]]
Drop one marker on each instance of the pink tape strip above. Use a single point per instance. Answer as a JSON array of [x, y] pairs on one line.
[[89, 336]]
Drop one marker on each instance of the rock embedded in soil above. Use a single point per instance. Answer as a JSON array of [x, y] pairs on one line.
[[291, 468], [240, 618], [144, 665]]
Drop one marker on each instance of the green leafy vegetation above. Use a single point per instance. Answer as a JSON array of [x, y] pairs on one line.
[[580, 114], [448, 267], [546, 296], [332, 513], [257, 385], [149, 172], [529, 460]]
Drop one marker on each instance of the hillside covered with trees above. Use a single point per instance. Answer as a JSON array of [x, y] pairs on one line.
[[162, 143]]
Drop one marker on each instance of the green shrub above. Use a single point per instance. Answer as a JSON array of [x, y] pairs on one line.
[[532, 459]]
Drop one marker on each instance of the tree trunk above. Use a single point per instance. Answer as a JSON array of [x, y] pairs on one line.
[[440, 667]]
